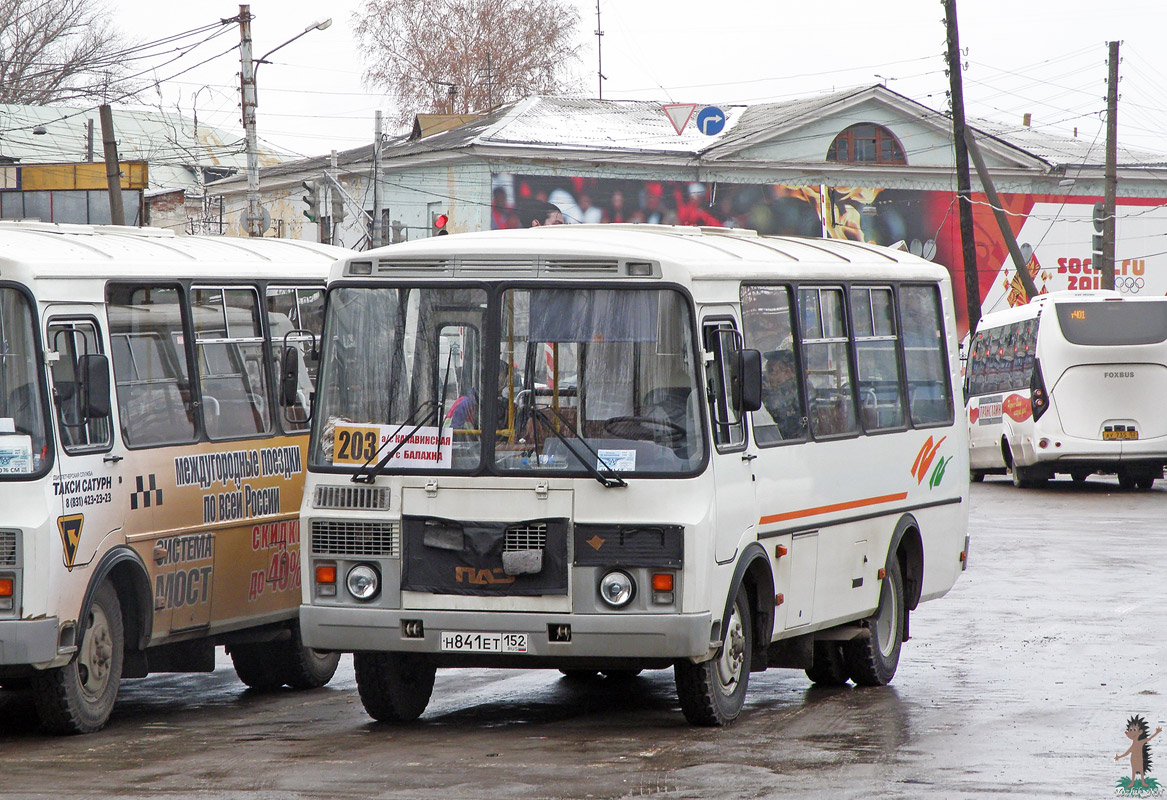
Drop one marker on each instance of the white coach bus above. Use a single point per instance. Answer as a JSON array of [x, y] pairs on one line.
[[1071, 383], [150, 512], [554, 448]]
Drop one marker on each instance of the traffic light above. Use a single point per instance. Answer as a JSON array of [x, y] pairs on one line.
[[1099, 224], [312, 200], [438, 224]]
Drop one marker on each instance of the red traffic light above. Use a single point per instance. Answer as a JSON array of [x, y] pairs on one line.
[[440, 222]]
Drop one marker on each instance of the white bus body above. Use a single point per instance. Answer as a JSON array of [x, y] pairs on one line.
[[1098, 364], [627, 510], [149, 476]]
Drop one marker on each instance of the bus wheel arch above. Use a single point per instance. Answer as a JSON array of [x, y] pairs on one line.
[[753, 574], [907, 547]]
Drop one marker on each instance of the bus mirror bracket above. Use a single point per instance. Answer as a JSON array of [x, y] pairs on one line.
[[94, 371], [289, 375]]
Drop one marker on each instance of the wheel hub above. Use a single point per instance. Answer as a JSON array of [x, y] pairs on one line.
[[729, 663]]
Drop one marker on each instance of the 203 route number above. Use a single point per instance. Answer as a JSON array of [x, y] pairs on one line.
[[464, 642]]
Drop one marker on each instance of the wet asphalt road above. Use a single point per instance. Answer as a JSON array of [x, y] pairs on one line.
[[1017, 684]]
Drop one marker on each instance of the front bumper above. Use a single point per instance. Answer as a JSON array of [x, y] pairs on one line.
[[641, 636], [32, 641]]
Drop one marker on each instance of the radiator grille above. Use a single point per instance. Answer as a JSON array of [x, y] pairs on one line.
[[363, 498], [8, 548], [337, 538], [532, 536]]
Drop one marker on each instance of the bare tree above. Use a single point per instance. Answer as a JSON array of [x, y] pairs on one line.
[[459, 56], [56, 50]]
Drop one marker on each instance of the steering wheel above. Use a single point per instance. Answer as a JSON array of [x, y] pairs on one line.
[[633, 427]]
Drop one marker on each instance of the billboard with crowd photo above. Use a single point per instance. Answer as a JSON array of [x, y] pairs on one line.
[[1054, 231]]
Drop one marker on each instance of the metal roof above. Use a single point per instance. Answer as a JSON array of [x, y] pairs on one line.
[[169, 141]]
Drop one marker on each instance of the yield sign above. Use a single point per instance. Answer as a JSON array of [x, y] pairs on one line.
[[679, 114]]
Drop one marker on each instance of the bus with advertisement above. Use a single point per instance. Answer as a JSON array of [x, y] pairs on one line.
[[1070, 383], [611, 448], [150, 472]]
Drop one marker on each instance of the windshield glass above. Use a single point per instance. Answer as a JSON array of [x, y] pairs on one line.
[[23, 444], [398, 361], [602, 375], [571, 380]]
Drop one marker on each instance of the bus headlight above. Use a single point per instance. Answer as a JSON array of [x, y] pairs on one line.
[[363, 582], [617, 588]]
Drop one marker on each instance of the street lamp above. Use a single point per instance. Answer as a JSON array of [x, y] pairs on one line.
[[247, 91]]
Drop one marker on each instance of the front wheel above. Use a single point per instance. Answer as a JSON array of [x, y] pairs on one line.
[[266, 666], [78, 697], [712, 693], [872, 660], [394, 687], [1028, 477]]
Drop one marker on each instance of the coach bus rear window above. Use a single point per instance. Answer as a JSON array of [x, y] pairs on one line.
[[1113, 323]]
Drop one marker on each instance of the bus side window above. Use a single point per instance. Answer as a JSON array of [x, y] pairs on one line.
[[767, 319], [881, 403], [79, 432], [149, 365], [232, 374], [729, 430], [925, 362], [291, 310], [826, 362]]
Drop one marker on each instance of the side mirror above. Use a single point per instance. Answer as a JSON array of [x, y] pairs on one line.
[[289, 376], [749, 371], [94, 371]]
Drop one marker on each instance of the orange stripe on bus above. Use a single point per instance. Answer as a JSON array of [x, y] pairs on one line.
[[810, 512]]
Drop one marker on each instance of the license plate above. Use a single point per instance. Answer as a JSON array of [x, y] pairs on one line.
[[464, 642], [1109, 435]]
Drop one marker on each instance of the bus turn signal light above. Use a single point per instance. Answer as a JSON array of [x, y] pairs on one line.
[[662, 582], [326, 580]]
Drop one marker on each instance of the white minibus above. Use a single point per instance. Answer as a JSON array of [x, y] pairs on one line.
[[1070, 383], [150, 473], [604, 449]]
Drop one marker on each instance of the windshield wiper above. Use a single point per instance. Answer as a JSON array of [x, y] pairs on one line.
[[608, 481], [360, 476]]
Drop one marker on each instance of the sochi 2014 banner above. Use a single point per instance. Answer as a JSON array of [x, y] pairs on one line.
[[1053, 231]]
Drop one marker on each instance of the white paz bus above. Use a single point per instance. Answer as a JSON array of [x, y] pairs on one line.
[[150, 473], [555, 448], [1070, 383]]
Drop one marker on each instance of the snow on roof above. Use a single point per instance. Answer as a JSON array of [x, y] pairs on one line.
[[168, 141]]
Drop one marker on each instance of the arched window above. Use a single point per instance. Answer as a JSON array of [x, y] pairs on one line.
[[867, 143]]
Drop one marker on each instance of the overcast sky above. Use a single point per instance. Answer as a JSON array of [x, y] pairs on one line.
[[1044, 57]]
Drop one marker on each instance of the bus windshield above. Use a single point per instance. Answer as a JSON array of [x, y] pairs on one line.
[[23, 443], [570, 380]]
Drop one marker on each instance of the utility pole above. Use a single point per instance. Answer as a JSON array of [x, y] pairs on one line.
[[999, 212], [377, 233], [1111, 174], [89, 139], [599, 52], [963, 183], [247, 93], [113, 169]]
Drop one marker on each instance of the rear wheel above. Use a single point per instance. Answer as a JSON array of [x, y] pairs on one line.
[[1145, 481], [712, 693], [1127, 481], [1028, 477], [872, 660], [78, 697], [828, 667], [976, 475], [269, 665], [1079, 475], [394, 687]]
